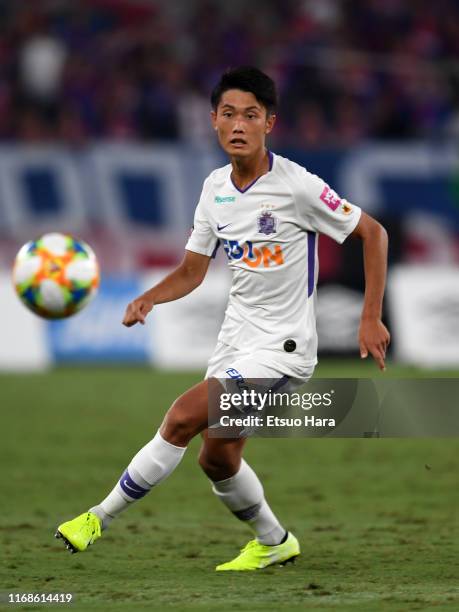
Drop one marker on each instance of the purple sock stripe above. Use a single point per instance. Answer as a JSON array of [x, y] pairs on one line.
[[280, 383], [131, 488], [311, 261]]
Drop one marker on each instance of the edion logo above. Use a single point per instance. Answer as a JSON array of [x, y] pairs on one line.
[[330, 198], [253, 256]]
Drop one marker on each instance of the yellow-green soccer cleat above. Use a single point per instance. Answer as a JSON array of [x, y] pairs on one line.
[[258, 556], [80, 532]]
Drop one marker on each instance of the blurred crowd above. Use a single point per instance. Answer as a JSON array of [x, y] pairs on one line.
[[347, 70]]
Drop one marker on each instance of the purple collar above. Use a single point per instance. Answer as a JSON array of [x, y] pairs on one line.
[[271, 159]]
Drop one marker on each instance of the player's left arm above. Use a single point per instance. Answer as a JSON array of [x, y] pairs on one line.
[[374, 337]]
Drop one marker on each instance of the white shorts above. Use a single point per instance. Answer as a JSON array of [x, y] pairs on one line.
[[227, 361], [259, 370]]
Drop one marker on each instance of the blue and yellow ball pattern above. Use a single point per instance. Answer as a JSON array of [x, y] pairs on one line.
[[56, 275]]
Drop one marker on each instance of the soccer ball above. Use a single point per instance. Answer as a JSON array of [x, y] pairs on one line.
[[56, 275]]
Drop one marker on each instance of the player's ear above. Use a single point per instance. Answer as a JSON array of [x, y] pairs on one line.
[[270, 121], [213, 118]]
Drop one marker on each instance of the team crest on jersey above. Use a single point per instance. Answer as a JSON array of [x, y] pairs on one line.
[[267, 223]]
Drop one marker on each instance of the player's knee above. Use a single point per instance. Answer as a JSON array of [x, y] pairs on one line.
[[218, 466], [178, 427]]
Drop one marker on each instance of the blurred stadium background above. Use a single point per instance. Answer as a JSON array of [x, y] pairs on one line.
[[104, 133]]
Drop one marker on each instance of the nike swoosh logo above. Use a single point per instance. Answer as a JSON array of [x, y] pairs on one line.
[[222, 227], [132, 489]]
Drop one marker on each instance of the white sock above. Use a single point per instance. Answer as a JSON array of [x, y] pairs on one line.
[[243, 495], [152, 464]]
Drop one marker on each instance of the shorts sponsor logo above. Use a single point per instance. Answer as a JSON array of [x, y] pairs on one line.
[[330, 198], [238, 379], [235, 374], [254, 257], [346, 208]]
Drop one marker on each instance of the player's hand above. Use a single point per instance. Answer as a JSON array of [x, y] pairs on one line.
[[374, 338], [137, 310]]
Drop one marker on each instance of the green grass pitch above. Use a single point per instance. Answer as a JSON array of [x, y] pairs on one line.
[[377, 518]]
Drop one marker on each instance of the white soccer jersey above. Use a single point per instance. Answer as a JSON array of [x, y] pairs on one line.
[[269, 232]]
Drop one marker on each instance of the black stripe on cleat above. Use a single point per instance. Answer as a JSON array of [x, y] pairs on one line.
[[291, 560], [70, 547]]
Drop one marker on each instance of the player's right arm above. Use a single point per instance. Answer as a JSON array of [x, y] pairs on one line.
[[186, 277], [199, 249]]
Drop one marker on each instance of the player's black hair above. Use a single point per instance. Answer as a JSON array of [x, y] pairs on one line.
[[247, 78]]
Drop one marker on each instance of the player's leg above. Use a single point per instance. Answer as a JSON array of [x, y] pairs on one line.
[[235, 483], [238, 487], [187, 416], [158, 458]]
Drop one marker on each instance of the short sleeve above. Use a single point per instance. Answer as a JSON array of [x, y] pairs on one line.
[[202, 239], [322, 210]]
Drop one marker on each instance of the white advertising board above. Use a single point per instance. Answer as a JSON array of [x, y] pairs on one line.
[[424, 308], [23, 343]]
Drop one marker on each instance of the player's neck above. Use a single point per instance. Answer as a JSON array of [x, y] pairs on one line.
[[248, 169]]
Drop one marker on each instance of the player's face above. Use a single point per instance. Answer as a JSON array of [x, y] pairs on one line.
[[241, 123]]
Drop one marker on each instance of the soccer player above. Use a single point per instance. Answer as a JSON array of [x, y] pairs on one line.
[[267, 212]]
